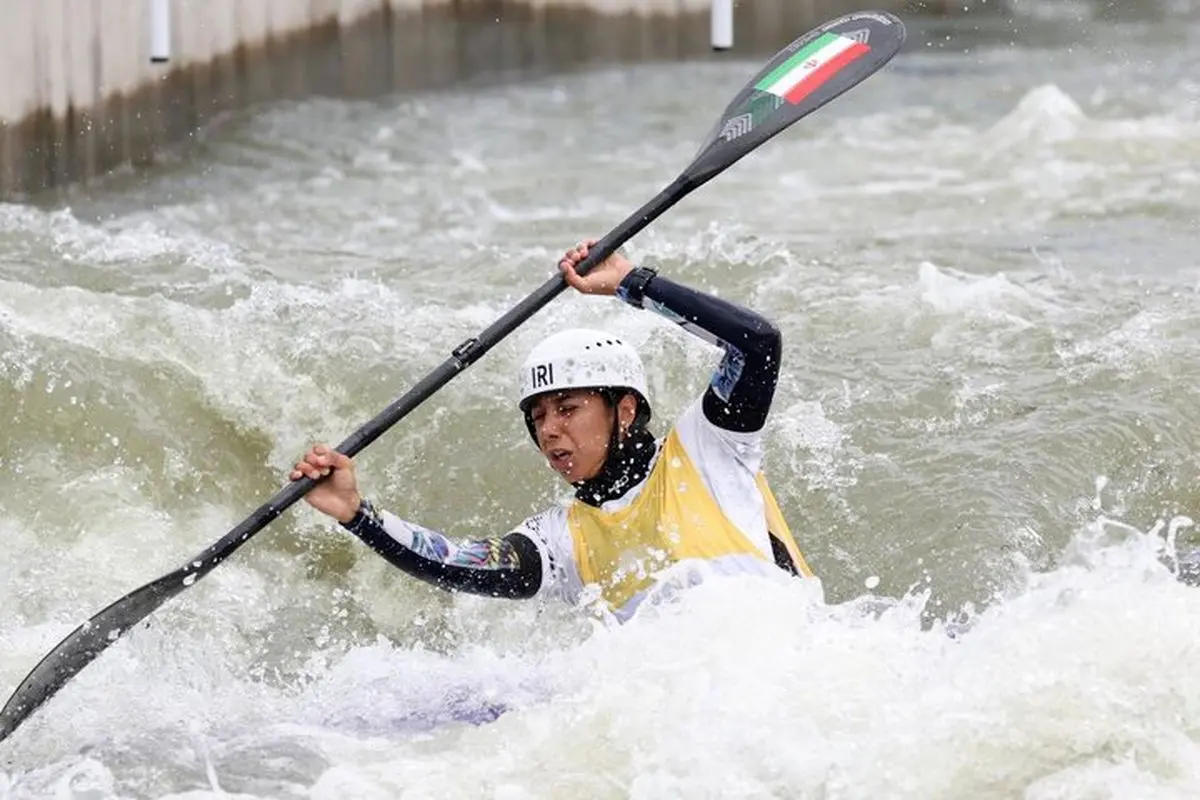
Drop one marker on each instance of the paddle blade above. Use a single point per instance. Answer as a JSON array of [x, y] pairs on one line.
[[83, 645], [802, 77]]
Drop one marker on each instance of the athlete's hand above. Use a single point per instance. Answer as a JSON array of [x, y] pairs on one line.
[[602, 278], [337, 495]]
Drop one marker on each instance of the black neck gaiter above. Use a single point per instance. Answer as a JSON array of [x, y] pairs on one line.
[[628, 462]]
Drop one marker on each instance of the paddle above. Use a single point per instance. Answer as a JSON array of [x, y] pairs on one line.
[[801, 78]]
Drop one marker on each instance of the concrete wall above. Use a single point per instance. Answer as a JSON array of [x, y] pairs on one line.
[[79, 94]]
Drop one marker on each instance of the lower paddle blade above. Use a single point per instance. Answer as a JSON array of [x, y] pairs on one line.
[[81, 646], [802, 77]]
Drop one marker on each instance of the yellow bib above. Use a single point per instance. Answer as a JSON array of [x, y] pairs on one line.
[[673, 518]]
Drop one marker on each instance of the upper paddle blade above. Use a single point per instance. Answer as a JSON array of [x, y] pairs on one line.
[[801, 78]]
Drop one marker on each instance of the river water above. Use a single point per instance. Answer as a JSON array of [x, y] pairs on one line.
[[983, 262]]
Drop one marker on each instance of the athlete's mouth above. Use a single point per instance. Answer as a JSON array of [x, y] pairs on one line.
[[560, 459]]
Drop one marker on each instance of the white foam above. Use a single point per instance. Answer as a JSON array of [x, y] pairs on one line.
[[1045, 114], [125, 240], [1047, 690]]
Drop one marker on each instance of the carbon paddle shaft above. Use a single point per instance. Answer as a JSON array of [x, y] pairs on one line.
[[802, 77]]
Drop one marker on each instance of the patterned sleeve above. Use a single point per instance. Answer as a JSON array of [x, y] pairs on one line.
[[500, 566]]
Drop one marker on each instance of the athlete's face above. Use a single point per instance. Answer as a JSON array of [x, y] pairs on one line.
[[573, 430]]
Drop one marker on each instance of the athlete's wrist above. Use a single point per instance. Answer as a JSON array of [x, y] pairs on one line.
[[632, 287], [361, 509]]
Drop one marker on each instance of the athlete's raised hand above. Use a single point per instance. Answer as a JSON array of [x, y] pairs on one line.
[[337, 494], [602, 278]]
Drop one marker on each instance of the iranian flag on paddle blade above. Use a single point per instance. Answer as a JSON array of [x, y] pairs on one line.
[[811, 66]]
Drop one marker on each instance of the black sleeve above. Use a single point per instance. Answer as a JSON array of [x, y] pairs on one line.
[[502, 566], [742, 389]]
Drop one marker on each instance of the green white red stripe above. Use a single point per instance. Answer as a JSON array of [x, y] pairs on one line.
[[811, 66]]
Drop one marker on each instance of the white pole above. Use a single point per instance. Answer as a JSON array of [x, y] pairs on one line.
[[722, 24], [160, 31]]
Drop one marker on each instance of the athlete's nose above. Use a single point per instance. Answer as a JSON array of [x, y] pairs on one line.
[[549, 427]]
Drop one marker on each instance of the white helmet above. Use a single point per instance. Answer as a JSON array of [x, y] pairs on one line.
[[582, 358]]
